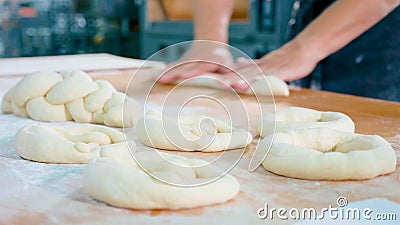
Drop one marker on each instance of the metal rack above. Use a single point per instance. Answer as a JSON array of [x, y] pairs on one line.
[[59, 27]]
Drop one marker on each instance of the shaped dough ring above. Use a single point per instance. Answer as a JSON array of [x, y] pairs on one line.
[[69, 144], [58, 97], [197, 133], [297, 118], [123, 183], [264, 86], [326, 154]]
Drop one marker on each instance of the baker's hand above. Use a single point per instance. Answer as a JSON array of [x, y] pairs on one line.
[[290, 62], [204, 54]]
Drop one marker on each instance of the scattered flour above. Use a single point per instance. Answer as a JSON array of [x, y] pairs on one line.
[[60, 178]]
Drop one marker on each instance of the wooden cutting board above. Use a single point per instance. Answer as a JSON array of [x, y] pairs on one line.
[[35, 193]]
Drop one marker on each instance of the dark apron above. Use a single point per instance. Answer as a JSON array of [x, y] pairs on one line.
[[368, 66]]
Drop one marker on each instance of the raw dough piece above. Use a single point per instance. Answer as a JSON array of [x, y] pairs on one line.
[[69, 144], [51, 96], [276, 87], [195, 133], [296, 118], [326, 154], [121, 182]]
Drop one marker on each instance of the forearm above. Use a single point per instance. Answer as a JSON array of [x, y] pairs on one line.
[[341, 23], [211, 19]]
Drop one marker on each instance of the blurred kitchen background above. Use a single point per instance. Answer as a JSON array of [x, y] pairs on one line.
[[131, 28]]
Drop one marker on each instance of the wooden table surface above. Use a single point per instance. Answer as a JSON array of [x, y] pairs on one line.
[[27, 199]]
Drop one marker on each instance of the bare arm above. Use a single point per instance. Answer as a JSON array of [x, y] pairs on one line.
[[211, 23], [338, 25], [341, 23], [211, 19]]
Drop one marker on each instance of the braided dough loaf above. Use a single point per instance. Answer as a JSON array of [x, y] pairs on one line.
[[57, 97], [192, 133], [326, 154], [297, 118], [121, 182], [266, 86], [68, 144]]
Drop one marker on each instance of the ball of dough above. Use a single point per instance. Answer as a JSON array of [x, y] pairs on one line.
[[69, 144], [58, 97], [194, 133], [297, 118], [124, 184], [266, 86], [326, 154]]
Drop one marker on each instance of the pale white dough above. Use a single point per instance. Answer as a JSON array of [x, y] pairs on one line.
[[68, 144], [190, 133], [297, 118], [266, 86], [51, 96], [122, 183], [326, 154]]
